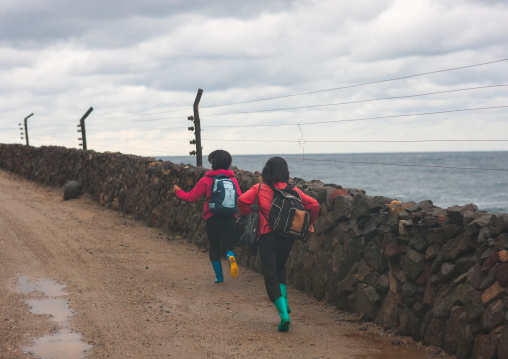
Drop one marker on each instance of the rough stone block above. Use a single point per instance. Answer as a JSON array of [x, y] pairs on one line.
[[413, 263], [494, 292], [453, 328], [446, 299], [72, 189], [485, 346], [493, 315], [367, 301], [390, 247], [490, 262], [502, 274], [475, 276], [435, 333], [502, 349], [472, 301]]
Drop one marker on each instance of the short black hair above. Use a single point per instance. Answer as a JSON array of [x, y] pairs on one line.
[[220, 160], [275, 170]]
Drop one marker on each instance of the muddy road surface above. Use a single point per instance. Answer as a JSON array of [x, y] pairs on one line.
[[78, 280]]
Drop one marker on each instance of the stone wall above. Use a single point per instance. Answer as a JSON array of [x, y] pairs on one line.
[[438, 275]]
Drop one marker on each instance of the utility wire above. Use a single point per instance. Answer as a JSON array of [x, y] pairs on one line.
[[359, 119], [357, 85], [354, 141], [144, 149], [313, 123], [317, 91], [332, 104], [407, 165], [144, 114], [154, 129], [352, 102], [382, 164], [96, 139]]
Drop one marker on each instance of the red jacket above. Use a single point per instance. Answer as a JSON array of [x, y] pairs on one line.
[[204, 188], [265, 201]]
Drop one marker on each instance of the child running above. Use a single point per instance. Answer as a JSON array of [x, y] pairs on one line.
[[220, 229], [274, 248]]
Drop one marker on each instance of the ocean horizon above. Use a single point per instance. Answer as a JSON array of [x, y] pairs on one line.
[[445, 178]]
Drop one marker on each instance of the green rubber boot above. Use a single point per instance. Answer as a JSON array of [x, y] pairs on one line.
[[280, 304], [284, 293]]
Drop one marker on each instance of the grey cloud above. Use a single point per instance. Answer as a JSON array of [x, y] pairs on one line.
[[52, 20]]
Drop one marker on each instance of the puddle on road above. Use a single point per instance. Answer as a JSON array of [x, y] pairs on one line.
[[386, 350], [57, 308], [64, 344], [49, 288]]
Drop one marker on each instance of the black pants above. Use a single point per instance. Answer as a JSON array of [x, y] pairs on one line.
[[274, 251], [221, 232]]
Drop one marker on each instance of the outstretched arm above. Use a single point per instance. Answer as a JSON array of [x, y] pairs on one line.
[[195, 194], [246, 199]]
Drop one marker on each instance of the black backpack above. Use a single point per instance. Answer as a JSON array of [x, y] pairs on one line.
[[288, 217]]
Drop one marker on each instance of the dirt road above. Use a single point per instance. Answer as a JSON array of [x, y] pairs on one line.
[[78, 280]]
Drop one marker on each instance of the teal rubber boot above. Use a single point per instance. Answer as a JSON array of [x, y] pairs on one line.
[[217, 267], [284, 292], [230, 256], [280, 304]]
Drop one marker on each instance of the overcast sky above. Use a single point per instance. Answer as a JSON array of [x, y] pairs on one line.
[[139, 64]]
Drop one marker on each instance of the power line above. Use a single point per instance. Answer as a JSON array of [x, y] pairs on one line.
[[353, 102], [145, 114], [333, 104], [359, 119], [317, 91], [354, 141], [143, 149], [141, 139], [357, 85], [407, 165], [288, 141], [153, 129], [383, 164]]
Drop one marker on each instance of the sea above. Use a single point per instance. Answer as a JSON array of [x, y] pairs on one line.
[[445, 178]]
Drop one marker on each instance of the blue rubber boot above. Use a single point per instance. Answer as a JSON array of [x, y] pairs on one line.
[[280, 304], [284, 292], [217, 267], [230, 256]]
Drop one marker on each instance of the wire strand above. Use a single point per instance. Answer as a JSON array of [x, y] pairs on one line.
[[354, 141], [357, 85], [353, 102], [317, 91], [359, 119], [407, 165]]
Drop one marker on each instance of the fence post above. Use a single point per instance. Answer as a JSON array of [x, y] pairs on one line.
[[83, 130], [26, 128], [197, 125]]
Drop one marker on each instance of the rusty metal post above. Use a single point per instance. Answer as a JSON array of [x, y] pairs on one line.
[[26, 128], [197, 126], [83, 130]]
